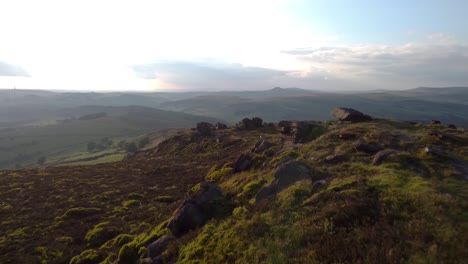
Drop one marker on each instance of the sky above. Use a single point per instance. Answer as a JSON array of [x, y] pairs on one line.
[[151, 45]]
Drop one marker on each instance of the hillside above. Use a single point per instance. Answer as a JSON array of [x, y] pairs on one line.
[[23, 145], [376, 191]]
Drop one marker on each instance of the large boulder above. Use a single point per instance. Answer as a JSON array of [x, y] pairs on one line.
[[300, 131], [242, 163], [251, 124], [197, 209], [156, 248], [220, 126], [261, 145], [286, 175], [362, 146], [349, 114], [205, 129]]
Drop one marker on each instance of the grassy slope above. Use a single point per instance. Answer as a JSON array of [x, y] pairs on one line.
[[63, 139], [412, 208]]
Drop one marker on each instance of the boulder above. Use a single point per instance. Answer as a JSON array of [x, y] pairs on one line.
[[435, 122], [196, 210], [205, 129], [220, 126], [380, 156], [452, 126], [242, 163], [349, 114], [442, 136], [253, 123], [346, 136], [156, 248], [261, 145], [286, 175], [362, 146], [335, 158], [285, 127], [316, 186]]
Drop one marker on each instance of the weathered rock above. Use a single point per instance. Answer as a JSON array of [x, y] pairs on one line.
[[431, 150], [301, 131], [220, 126], [316, 186], [196, 210], [442, 136], [435, 122], [346, 136], [261, 145], [452, 126], [253, 123], [159, 246], [380, 156], [349, 114], [242, 163], [366, 147], [285, 127], [286, 175], [146, 261], [335, 158], [269, 153], [205, 129]]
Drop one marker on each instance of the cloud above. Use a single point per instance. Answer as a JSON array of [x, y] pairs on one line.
[[209, 76], [11, 70], [399, 66]]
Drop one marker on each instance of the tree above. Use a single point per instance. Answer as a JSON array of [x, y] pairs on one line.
[[131, 147], [143, 142], [91, 146]]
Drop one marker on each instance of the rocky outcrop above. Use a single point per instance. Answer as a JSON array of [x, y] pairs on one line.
[[261, 146], [350, 114], [301, 131], [205, 129], [242, 163], [452, 126], [196, 210], [286, 175], [251, 124], [220, 126], [435, 122], [362, 146], [156, 248]]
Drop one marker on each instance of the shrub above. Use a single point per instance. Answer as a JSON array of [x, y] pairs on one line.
[[135, 196], [79, 212], [219, 174], [99, 234], [89, 256]]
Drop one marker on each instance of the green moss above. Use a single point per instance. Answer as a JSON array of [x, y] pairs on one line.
[[128, 254], [218, 174], [135, 196], [249, 190], [131, 203], [100, 233], [89, 256]]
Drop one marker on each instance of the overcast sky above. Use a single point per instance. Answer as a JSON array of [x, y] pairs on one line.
[[237, 45]]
